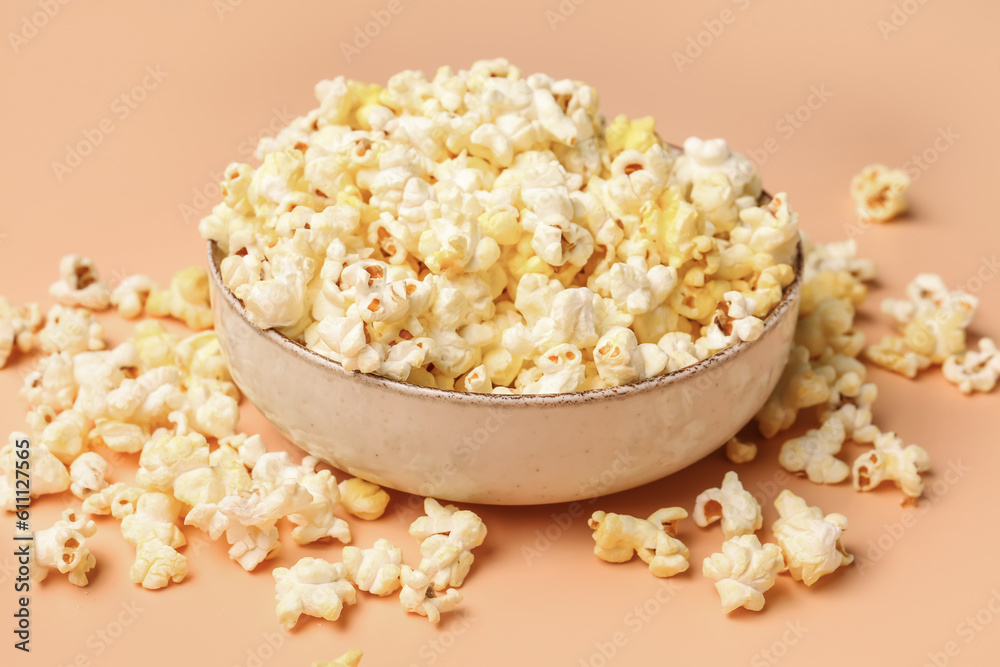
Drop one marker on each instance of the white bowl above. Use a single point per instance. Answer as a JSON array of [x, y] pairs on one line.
[[502, 450]]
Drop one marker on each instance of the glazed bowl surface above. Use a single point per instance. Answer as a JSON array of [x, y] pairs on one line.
[[501, 449]]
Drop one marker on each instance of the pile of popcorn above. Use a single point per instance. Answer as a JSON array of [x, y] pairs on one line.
[[487, 231]]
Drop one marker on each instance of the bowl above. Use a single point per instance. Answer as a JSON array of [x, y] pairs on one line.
[[501, 449]]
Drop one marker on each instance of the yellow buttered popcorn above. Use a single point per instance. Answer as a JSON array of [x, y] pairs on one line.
[[387, 228], [811, 543], [314, 587], [186, 299], [743, 571], [879, 192], [654, 540]]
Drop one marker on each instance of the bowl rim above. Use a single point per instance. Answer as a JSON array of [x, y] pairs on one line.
[[778, 313]]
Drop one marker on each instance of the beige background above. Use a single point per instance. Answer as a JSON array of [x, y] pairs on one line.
[[892, 79]]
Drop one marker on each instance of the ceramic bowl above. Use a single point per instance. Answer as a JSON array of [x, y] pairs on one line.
[[495, 449]]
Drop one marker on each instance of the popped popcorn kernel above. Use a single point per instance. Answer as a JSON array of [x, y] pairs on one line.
[[69, 329], [743, 571], [894, 461], [654, 540], [48, 474], [130, 295], [118, 499], [737, 508], [86, 474], [879, 192], [810, 542], [18, 329], [157, 564], [418, 596], [63, 547], [79, 285], [186, 299], [374, 570], [814, 454], [740, 451], [974, 370], [363, 499], [447, 536], [350, 659], [314, 587]]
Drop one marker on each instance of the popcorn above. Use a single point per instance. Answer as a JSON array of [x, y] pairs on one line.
[[64, 547], [447, 537], [879, 192], [71, 330], [86, 474], [814, 454], [618, 536], [733, 322], [157, 564], [418, 596], [856, 416], [740, 451], [830, 325], [186, 299], [155, 515], [800, 386], [314, 587], [48, 474], [809, 541], [744, 571], [66, 436], [248, 520], [974, 370], [375, 570], [119, 500], [18, 328], [52, 383], [834, 260], [130, 295], [363, 499], [317, 522], [738, 509], [452, 232], [891, 352], [168, 457], [892, 460], [119, 436], [79, 285]]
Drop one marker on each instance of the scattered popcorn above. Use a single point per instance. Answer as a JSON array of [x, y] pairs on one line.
[[618, 536], [79, 285], [738, 509], [350, 659], [492, 234], [855, 414], [131, 294], [891, 352], [48, 474], [974, 370], [64, 547], [879, 192], [799, 387], [375, 570], [809, 541], [744, 571], [892, 460], [314, 587], [18, 328], [157, 564], [86, 474], [419, 597], [835, 259], [363, 499], [71, 330], [186, 299], [66, 436], [814, 454], [740, 451]]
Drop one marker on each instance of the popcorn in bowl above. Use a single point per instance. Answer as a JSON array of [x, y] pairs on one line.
[[487, 231]]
